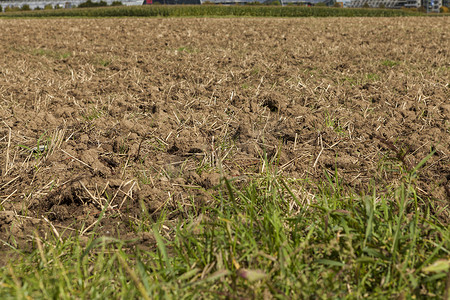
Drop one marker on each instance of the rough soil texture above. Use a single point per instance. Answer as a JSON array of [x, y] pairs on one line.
[[141, 116]]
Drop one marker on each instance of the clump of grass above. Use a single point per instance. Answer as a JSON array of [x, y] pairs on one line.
[[51, 53], [45, 146], [185, 49], [389, 63], [373, 77], [103, 62], [92, 114]]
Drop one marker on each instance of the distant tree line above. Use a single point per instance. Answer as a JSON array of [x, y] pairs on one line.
[[88, 3]]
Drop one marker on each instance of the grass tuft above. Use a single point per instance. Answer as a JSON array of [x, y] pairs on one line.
[[263, 237]]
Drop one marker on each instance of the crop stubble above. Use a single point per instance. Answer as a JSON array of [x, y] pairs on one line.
[[148, 111]]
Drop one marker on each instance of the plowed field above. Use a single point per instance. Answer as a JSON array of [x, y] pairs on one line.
[[125, 116]]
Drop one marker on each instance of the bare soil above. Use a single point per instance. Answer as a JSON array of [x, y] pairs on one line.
[[141, 116]]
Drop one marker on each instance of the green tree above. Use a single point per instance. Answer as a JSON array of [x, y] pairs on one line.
[[48, 7], [89, 3], [275, 2], [25, 7]]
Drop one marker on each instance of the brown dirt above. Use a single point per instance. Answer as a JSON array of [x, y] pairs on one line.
[[139, 115]]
